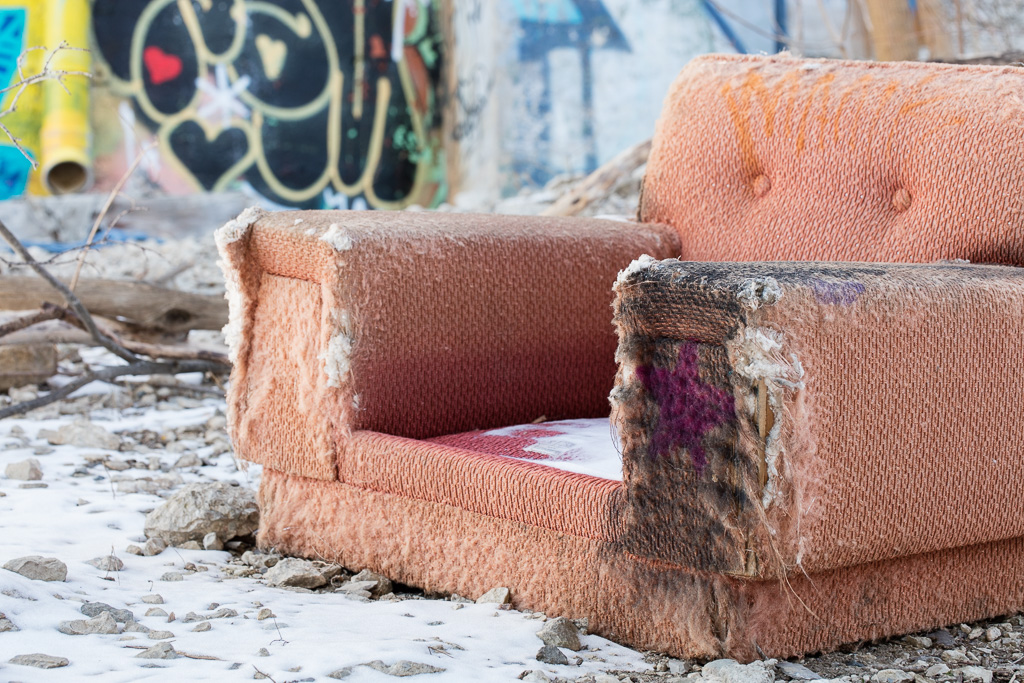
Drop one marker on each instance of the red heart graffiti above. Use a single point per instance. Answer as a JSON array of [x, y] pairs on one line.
[[161, 66]]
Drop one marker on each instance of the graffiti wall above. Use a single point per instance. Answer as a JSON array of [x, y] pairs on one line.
[[307, 103]]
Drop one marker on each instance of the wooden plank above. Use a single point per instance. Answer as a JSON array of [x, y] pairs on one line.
[[135, 304]]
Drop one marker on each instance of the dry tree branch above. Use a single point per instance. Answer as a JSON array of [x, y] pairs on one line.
[[78, 313], [72, 300], [47, 73], [29, 320]]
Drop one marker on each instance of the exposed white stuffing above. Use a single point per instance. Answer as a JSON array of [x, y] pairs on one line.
[[757, 292], [645, 261], [337, 357], [228, 234], [337, 238], [756, 355], [236, 228]]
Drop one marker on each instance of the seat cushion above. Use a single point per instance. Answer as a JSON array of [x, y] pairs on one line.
[[779, 159], [584, 446]]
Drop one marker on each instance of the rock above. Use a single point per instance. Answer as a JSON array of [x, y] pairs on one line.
[[107, 563], [38, 568], [202, 626], [500, 596], [211, 542], [6, 625], [104, 623], [993, 634], [135, 627], [793, 670], [188, 460], [536, 676], [920, 642], [560, 632], [731, 671], [172, 576], [160, 635], [200, 509], [381, 585], [954, 656], [133, 549], [154, 546], [360, 588], [190, 545], [159, 651], [604, 678], [936, 670], [942, 637], [293, 571], [549, 654], [153, 599], [892, 676], [26, 364], [976, 674], [94, 609], [33, 485], [265, 613], [156, 612], [24, 470], [224, 613], [340, 674], [84, 434], [40, 661], [403, 668]]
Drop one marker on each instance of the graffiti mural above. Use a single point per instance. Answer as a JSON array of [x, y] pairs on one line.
[[548, 25], [312, 103]]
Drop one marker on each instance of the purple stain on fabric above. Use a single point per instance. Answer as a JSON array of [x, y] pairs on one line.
[[836, 293], [689, 407]]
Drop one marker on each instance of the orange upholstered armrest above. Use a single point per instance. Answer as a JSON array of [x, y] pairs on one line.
[[780, 417], [416, 324]]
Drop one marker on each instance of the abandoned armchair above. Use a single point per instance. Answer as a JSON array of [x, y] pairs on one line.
[[820, 441]]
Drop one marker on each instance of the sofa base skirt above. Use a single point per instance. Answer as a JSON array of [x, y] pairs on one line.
[[629, 599]]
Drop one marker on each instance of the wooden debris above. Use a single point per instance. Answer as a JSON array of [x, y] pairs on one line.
[[599, 184]]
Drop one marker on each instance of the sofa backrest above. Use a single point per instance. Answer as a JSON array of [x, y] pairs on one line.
[[775, 158]]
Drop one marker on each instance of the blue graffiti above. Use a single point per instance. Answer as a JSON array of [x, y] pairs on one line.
[[12, 42], [546, 25], [14, 170]]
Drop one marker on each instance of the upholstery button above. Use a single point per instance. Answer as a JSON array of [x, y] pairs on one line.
[[761, 185], [901, 200]]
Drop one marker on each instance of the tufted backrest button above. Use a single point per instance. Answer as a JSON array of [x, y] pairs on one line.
[[901, 200], [761, 185]]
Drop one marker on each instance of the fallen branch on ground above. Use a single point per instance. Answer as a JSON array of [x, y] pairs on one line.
[[78, 314]]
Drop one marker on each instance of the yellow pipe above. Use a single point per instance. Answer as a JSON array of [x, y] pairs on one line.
[[65, 136]]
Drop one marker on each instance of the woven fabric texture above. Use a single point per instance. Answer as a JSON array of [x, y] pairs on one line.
[[652, 605], [776, 159], [418, 325], [893, 391]]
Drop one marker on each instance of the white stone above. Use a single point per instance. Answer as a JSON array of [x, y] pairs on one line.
[[38, 568], [200, 509], [25, 470], [731, 671]]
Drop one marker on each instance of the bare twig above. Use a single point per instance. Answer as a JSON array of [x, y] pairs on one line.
[[28, 321], [69, 296], [45, 74], [140, 367], [103, 214]]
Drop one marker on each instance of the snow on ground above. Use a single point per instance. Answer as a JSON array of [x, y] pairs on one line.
[[83, 513]]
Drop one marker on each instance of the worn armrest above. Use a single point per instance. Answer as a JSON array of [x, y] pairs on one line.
[[416, 324], [781, 417]]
